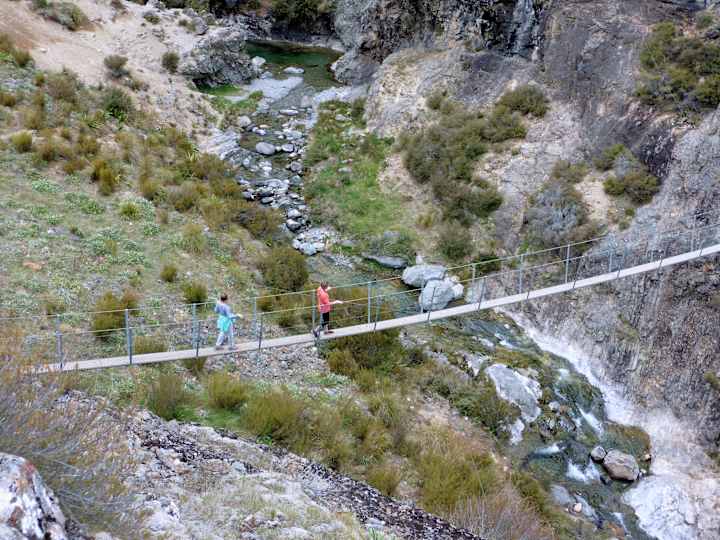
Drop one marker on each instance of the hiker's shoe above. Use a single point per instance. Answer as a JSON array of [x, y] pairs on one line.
[[316, 333], [329, 331], [219, 347]]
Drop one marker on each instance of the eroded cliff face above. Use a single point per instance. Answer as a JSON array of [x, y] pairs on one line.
[[658, 335]]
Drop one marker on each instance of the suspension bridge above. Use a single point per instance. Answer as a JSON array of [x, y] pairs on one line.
[[282, 320]]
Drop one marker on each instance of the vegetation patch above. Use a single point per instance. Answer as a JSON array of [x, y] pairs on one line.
[[631, 178], [444, 154], [66, 13], [681, 71]]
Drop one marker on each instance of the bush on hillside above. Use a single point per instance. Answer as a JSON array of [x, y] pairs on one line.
[[66, 13], [22, 142], [302, 12], [444, 155], [169, 273], [638, 185], [148, 345], [63, 86], [194, 292], [118, 103], [20, 57], [167, 396], [526, 100], [455, 242], [606, 160], [226, 391], [170, 61], [285, 269], [109, 316]]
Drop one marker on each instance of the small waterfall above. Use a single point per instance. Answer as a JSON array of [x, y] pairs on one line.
[[522, 28]]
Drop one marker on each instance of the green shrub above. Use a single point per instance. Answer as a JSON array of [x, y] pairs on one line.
[[21, 58], [435, 100], [151, 17], [22, 141], [66, 13], [532, 492], [526, 100], [342, 362], [225, 391], [301, 13], [167, 396], [185, 197], [148, 345], [115, 65], [63, 86], [109, 316], [570, 173], [704, 20], [639, 186], [118, 103], [169, 273], [277, 415], [455, 242], [284, 268], [384, 477], [196, 366], [130, 210], [606, 160], [107, 178], [194, 292], [7, 99], [708, 91], [712, 379], [170, 61], [193, 238], [451, 470]]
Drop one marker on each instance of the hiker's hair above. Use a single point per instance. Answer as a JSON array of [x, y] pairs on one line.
[[223, 297], [324, 284]]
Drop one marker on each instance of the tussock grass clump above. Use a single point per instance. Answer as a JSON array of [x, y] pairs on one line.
[[226, 391], [22, 142], [118, 103], [130, 210], [453, 469], [62, 86], [21, 57], [148, 344], [169, 273], [526, 99], [115, 65], [110, 312], [7, 99], [66, 13], [285, 268], [194, 292], [106, 175], [170, 61], [167, 396], [385, 477], [193, 238], [196, 366], [632, 178]]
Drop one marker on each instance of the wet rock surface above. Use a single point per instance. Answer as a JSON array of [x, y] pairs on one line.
[[219, 58], [621, 466]]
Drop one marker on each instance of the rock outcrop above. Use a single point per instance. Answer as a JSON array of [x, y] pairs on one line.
[[28, 508], [219, 58], [621, 466]]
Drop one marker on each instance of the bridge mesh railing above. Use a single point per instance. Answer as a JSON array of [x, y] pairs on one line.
[[155, 326]]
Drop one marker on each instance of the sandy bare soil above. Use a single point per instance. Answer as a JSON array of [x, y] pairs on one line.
[[54, 47]]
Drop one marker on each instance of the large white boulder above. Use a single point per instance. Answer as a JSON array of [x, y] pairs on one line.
[[28, 508], [437, 294], [516, 388], [418, 275], [621, 466]]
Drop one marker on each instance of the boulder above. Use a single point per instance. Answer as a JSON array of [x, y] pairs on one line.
[[265, 148], [288, 148], [258, 62], [516, 388], [437, 294], [621, 466], [200, 26], [396, 263], [418, 275], [244, 121], [598, 454], [294, 70], [28, 508], [218, 58]]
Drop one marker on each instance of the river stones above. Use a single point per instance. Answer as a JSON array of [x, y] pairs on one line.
[[294, 70], [265, 149], [418, 275], [598, 454], [396, 263], [621, 466], [437, 294]]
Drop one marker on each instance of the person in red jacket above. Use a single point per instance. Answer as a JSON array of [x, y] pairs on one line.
[[324, 307]]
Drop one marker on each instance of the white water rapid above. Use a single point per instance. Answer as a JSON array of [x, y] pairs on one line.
[[680, 500]]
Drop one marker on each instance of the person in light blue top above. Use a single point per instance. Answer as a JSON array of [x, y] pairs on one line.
[[225, 321]]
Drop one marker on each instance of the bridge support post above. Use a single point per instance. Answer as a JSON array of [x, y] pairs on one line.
[[482, 293], [260, 336], [520, 277], [128, 336], [567, 264], [377, 313], [432, 302], [195, 329], [474, 272], [369, 303], [253, 321], [313, 301], [577, 271], [58, 342]]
